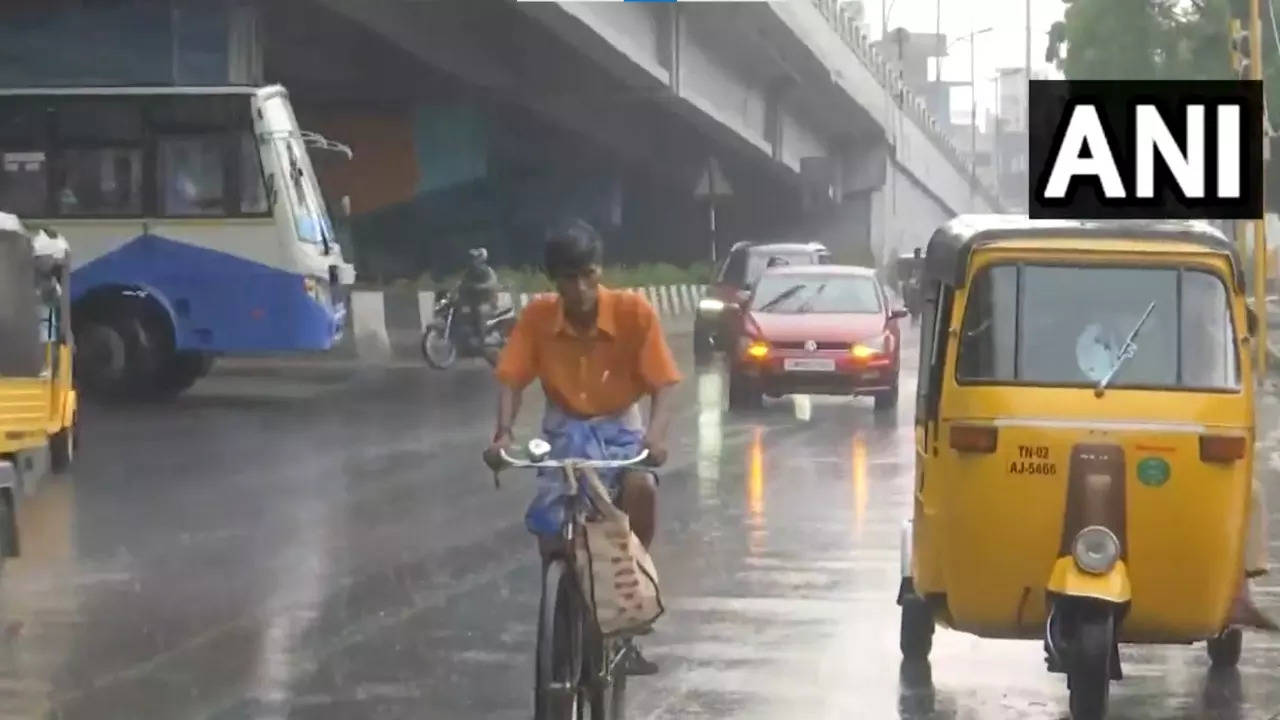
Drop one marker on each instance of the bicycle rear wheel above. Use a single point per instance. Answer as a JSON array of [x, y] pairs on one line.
[[559, 654]]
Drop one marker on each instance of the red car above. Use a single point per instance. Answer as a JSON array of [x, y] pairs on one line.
[[821, 329]]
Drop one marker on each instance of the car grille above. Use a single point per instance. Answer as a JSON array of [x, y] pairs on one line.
[[821, 345]]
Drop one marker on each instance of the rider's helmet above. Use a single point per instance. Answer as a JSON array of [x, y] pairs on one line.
[[478, 255]]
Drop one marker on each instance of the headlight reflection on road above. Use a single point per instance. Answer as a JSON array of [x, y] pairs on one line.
[[859, 465], [710, 436], [755, 492]]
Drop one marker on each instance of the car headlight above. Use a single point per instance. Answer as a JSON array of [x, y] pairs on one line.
[[710, 306], [753, 348], [1096, 550], [870, 347]]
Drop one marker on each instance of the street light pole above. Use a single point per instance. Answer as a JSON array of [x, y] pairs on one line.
[[1259, 225], [973, 109], [937, 37]]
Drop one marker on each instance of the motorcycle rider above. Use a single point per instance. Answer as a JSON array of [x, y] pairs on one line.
[[913, 290], [478, 291]]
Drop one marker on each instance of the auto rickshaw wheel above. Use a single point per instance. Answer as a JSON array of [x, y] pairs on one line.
[[62, 448], [1089, 673], [915, 636], [1225, 650]]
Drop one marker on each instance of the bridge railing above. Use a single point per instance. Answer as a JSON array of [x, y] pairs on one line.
[[890, 78]]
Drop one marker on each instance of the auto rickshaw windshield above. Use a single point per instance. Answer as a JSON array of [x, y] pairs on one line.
[[1061, 325]]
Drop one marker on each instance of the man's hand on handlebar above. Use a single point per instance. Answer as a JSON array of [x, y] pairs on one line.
[[657, 452], [493, 454]]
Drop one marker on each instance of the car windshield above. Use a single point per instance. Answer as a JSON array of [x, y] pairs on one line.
[[1033, 324], [794, 293], [744, 268]]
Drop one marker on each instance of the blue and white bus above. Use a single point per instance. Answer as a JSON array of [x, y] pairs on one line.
[[196, 223]]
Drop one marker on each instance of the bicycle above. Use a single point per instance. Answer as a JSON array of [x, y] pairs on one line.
[[577, 669]]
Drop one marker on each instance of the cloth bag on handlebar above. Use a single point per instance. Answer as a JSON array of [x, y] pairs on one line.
[[616, 573]]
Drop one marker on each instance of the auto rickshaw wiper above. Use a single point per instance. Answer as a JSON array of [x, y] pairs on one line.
[[1126, 351]]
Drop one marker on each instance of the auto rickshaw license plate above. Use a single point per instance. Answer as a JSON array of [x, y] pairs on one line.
[[1032, 459]]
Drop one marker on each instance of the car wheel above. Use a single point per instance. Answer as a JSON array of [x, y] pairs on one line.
[[887, 400]]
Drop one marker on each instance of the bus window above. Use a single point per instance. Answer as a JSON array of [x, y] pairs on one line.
[[192, 174], [99, 122], [24, 182], [100, 181], [253, 193], [98, 162], [24, 166]]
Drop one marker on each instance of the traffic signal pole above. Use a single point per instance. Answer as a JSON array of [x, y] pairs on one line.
[[1259, 224]]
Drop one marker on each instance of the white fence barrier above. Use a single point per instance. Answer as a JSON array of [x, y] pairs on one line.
[[374, 338]]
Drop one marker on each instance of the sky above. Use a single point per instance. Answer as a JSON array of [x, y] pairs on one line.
[[1004, 46]]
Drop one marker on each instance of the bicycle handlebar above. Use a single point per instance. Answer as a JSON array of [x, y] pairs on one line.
[[598, 464]]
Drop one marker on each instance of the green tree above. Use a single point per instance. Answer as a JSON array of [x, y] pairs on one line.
[[1155, 40]]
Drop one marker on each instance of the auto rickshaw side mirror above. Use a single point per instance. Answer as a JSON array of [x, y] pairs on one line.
[[1251, 322], [898, 313]]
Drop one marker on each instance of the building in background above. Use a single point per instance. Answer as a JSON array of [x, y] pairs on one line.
[[910, 52], [980, 145], [1011, 147]]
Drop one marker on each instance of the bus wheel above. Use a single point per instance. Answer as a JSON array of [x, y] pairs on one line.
[[102, 359], [62, 448], [179, 372]]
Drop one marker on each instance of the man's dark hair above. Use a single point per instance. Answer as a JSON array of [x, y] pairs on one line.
[[571, 247]]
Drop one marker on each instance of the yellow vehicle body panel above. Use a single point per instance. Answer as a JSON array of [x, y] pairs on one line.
[[1068, 579], [32, 409], [988, 527]]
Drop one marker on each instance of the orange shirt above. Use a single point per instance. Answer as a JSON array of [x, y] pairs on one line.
[[603, 372]]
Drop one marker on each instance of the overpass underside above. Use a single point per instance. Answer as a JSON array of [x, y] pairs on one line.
[[476, 124], [480, 122]]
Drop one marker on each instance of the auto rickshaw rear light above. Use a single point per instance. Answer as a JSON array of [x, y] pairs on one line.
[[1222, 448], [973, 438], [758, 349]]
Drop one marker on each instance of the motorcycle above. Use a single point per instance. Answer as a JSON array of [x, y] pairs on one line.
[[451, 335]]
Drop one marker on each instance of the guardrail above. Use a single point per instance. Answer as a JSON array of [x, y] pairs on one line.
[[904, 97]]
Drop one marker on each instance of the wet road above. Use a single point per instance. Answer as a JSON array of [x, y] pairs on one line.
[[323, 545]]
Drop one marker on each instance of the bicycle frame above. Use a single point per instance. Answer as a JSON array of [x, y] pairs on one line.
[[597, 665]]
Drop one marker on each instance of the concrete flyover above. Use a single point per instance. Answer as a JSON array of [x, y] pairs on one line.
[[797, 83]]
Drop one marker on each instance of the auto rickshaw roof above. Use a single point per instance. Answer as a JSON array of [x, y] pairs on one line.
[[947, 255]]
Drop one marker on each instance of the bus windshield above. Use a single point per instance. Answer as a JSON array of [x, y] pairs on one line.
[[300, 187]]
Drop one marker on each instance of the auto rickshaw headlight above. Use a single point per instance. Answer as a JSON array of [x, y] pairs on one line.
[[1096, 550]]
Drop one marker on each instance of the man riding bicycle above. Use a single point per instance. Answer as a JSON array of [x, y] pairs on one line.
[[597, 352]]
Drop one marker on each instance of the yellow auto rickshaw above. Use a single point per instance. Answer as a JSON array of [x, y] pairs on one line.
[[1084, 442], [37, 396]]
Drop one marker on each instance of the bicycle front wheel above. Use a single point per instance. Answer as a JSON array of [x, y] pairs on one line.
[[559, 655]]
